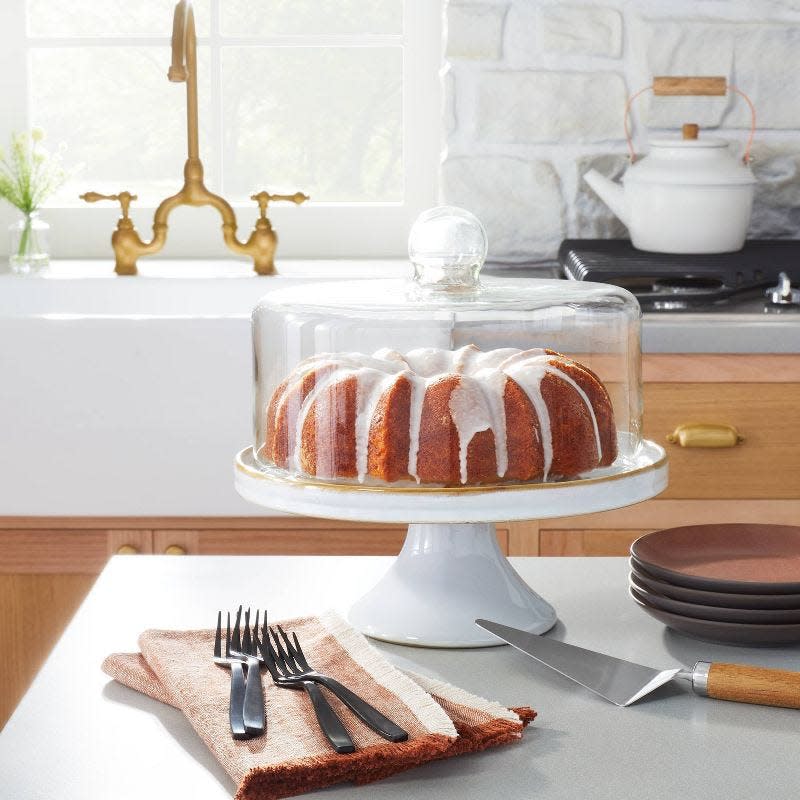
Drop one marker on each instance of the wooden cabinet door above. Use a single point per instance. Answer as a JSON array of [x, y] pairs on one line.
[[765, 465]]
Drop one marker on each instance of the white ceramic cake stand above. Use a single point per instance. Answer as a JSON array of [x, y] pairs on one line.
[[451, 570]]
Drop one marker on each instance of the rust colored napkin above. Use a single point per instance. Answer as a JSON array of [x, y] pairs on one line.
[[293, 757]]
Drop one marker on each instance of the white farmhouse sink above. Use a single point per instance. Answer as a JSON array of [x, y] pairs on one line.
[[131, 396], [167, 289]]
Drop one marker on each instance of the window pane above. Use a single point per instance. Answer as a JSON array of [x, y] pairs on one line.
[[119, 116], [281, 17], [109, 18], [324, 120]]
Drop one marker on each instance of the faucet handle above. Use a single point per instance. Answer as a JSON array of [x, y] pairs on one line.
[[264, 198], [123, 198]]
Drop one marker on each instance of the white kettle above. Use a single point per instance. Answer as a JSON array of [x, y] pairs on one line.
[[687, 195]]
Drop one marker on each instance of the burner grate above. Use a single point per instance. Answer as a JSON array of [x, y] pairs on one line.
[[665, 281]]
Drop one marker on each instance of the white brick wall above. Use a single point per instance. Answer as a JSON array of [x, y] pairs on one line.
[[535, 92]]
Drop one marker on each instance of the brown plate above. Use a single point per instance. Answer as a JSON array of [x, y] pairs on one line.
[[735, 633], [764, 616], [739, 558], [719, 599]]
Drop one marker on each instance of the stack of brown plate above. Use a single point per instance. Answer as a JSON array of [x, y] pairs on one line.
[[735, 584]]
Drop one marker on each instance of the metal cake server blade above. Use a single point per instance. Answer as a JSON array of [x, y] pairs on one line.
[[623, 682]]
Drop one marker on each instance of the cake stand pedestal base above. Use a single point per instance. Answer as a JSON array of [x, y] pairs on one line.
[[447, 576], [450, 571]]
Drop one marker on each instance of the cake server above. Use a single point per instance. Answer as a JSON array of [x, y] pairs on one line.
[[624, 682]]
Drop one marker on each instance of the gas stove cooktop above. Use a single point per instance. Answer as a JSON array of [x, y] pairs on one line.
[[756, 279]]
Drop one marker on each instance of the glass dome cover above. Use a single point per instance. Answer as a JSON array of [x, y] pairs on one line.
[[449, 379]]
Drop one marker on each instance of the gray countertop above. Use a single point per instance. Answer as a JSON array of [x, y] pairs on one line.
[[729, 332], [77, 736], [740, 328]]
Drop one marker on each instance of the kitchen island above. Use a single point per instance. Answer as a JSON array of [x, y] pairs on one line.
[[78, 735]]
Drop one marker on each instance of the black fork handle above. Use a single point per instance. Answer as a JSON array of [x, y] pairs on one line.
[[330, 724], [253, 705], [368, 714], [236, 702]]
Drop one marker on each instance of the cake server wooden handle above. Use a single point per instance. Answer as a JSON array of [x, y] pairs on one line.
[[744, 683]]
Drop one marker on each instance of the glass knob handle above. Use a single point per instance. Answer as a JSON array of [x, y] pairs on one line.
[[174, 550], [127, 550], [447, 247]]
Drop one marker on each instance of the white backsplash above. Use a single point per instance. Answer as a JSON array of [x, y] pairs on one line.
[[535, 92]]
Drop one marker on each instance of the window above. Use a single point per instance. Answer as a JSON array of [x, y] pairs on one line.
[[337, 98]]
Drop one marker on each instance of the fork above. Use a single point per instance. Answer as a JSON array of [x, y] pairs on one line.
[[298, 669], [236, 701], [246, 649], [329, 722]]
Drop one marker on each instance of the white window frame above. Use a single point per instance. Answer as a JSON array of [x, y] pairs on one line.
[[315, 230]]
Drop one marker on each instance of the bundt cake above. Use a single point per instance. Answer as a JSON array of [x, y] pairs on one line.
[[440, 417]]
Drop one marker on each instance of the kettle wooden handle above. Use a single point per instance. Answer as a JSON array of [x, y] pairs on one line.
[[744, 683], [698, 86], [690, 85]]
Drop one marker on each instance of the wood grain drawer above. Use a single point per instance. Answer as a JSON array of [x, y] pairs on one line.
[[286, 541], [77, 552], [588, 542], [339, 541], [765, 465]]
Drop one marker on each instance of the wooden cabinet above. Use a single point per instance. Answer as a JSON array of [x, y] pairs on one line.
[[757, 480], [48, 565]]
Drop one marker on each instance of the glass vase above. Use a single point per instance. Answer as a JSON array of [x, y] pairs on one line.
[[29, 252]]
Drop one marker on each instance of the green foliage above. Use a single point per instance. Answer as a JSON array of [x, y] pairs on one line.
[[29, 174]]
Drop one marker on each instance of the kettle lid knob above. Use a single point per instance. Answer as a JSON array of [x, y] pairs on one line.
[[690, 130]]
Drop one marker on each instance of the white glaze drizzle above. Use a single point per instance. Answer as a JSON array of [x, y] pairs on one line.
[[495, 389], [528, 376], [474, 408], [371, 387], [528, 369], [310, 398], [419, 386], [476, 404]]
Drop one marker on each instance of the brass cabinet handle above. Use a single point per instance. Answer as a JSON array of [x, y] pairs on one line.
[[703, 434], [127, 550], [175, 550]]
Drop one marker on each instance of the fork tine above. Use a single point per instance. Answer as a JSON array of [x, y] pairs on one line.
[[299, 655], [285, 660], [236, 642], [267, 653], [218, 637], [292, 650], [246, 633], [280, 666], [228, 637], [285, 638]]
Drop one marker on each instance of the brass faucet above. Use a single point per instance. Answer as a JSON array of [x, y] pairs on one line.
[[126, 242]]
